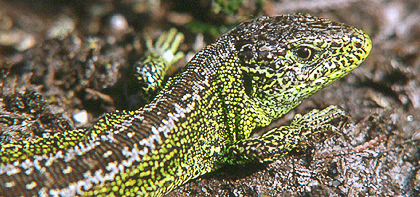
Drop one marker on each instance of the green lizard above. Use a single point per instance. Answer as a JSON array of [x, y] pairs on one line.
[[202, 119]]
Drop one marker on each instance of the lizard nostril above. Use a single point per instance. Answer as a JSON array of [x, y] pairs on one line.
[[357, 42], [358, 45]]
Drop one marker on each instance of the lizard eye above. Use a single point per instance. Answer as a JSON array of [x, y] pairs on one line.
[[304, 53]]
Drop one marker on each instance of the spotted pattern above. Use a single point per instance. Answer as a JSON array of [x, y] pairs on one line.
[[200, 121]]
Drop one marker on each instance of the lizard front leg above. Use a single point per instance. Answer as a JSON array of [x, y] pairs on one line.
[[280, 141]]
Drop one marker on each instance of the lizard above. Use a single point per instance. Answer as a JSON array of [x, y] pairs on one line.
[[203, 118]]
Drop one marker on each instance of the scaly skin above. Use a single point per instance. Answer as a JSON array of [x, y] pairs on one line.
[[202, 119]]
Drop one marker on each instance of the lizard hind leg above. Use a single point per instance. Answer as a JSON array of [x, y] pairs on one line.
[[151, 70]]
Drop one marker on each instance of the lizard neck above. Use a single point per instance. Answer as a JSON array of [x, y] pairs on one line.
[[241, 114]]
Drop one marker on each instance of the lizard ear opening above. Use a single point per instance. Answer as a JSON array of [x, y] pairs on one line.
[[247, 78]]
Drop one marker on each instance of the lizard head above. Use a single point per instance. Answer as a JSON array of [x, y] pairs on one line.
[[285, 59]]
